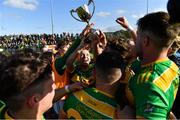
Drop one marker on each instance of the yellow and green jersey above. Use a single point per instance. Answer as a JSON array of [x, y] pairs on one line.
[[83, 76], [4, 112], [154, 88], [90, 103]]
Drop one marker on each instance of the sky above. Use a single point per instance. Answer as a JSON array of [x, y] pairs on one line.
[[34, 16]]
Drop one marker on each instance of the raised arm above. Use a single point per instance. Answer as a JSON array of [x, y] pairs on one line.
[[74, 56], [124, 23]]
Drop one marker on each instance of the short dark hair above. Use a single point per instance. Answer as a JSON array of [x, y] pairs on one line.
[[119, 44], [158, 29], [20, 72], [108, 62]]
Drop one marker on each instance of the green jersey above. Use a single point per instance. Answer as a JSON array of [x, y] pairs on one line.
[[136, 65], [154, 88], [83, 76], [4, 114], [90, 104], [60, 62]]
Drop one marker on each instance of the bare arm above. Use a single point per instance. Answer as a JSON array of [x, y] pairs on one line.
[[172, 116], [124, 23], [60, 92], [71, 60], [74, 55]]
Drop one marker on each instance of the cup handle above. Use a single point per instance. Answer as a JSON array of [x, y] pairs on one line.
[[73, 11], [91, 1]]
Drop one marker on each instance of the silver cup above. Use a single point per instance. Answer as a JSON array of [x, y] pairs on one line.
[[83, 12]]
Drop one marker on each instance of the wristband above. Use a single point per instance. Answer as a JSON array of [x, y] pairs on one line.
[[67, 89]]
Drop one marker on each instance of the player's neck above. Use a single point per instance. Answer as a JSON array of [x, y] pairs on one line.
[[108, 88], [153, 57]]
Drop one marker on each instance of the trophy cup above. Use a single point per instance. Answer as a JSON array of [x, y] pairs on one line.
[[83, 12]]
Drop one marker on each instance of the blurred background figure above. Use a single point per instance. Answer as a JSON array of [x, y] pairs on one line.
[[173, 7]]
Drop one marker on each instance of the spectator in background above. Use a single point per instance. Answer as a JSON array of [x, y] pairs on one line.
[[173, 50], [173, 8]]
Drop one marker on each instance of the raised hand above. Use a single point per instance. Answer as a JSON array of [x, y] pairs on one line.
[[98, 43], [86, 30], [123, 22]]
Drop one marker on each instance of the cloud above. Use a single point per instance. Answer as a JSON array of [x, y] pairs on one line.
[[120, 12], [22, 4], [103, 14], [137, 16]]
